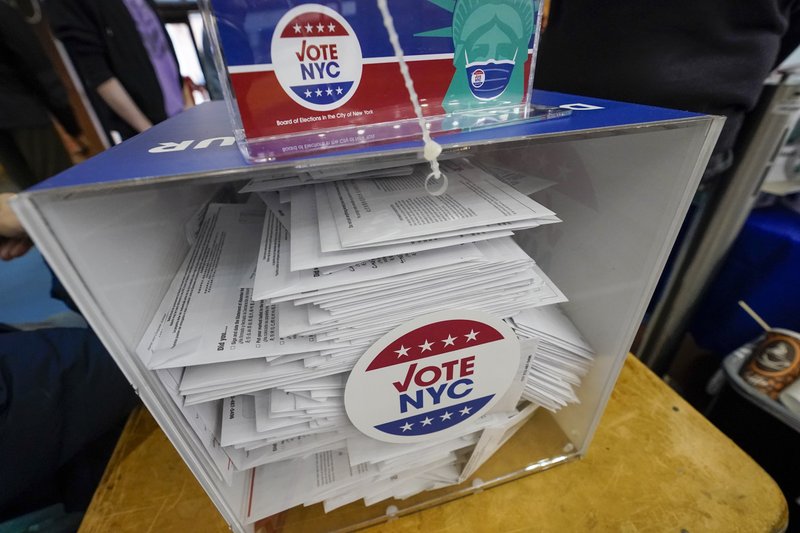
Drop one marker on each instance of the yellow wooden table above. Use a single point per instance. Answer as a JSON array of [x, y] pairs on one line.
[[655, 465]]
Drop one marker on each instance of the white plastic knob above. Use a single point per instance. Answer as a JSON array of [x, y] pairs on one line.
[[432, 150]]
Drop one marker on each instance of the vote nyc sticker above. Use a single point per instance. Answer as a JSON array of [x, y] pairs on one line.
[[317, 57], [477, 78], [431, 376]]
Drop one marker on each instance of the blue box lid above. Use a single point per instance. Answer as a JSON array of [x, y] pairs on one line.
[[200, 142]]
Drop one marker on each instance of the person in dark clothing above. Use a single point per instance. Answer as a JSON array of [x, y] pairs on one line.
[[30, 92], [60, 392], [708, 57], [63, 403], [125, 59]]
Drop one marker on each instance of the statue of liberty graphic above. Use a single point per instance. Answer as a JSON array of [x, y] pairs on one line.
[[491, 39]]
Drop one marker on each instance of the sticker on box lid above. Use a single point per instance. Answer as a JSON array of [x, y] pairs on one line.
[[431, 376], [317, 57]]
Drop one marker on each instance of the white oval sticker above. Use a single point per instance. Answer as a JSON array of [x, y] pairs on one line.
[[317, 57], [432, 375]]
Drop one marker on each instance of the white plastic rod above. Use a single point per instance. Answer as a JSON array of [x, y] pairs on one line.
[[432, 149]]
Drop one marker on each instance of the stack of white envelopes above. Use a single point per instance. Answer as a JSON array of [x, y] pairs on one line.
[[562, 357], [278, 298]]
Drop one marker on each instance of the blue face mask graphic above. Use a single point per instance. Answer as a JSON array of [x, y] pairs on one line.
[[488, 79]]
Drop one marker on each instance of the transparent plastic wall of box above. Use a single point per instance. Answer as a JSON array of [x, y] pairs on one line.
[[328, 78], [622, 195]]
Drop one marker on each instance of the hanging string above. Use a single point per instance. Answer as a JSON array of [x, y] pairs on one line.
[[432, 149]]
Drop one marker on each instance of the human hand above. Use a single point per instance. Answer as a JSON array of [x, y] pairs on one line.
[[13, 248], [14, 242], [9, 223]]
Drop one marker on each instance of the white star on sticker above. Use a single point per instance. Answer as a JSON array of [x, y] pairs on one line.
[[331, 26], [329, 91], [318, 92], [427, 421], [426, 346], [471, 335], [320, 27], [402, 352], [406, 427], [446, 415], [309, 28], [449, 341], [307, 93], [297, 28], [338, 90], [465, 411]]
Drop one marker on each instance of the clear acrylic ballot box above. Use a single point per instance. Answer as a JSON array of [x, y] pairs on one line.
[[116, 228]]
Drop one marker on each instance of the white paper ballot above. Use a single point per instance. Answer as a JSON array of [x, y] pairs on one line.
[[272, 268], [274, 280], [300, 481], [281, 211], [298, 372], [302, 446], [208, 314], [306, 250], [493, 437], [206, 422], [361, 320], [217, 375], [238, 419], [330, 241], [373, 211], [562, 357]]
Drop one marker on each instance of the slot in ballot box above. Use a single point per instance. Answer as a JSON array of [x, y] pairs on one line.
[[117, 228]]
